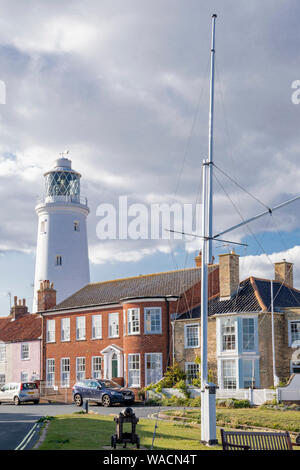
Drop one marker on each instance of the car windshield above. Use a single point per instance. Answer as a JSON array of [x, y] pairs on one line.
[[109, 384]]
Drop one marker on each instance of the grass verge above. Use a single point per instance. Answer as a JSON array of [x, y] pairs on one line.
[[93, 432]]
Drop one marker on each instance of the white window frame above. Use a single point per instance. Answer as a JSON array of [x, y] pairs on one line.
[[133, 323], [113, 325], [27, 355], [186, 327], [80, 363], [99, 370], [161, 367], [24, 373], [2, 352], [152, 310], [65, 383], [52, 372], [96, 327], [186, 367], [292, 344], [80, 328], [236, 372], [134, 383], [50, 334], [222, 322], [65, 337]]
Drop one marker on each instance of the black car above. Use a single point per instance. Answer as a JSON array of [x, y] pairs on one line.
[[103, 392]]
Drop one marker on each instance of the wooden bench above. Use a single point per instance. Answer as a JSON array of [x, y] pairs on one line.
[[243, 440]]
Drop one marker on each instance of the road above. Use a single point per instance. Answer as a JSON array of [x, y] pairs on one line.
[[17, 422]]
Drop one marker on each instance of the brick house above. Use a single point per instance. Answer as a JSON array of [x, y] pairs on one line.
[[20, 344], [240, 329], [117, 329]]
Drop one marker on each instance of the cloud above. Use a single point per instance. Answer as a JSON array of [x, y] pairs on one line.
[[125, 88]]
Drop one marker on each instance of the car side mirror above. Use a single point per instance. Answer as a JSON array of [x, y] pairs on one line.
[[99, 387]]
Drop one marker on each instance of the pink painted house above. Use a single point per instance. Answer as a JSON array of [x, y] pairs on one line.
[[20, 345]]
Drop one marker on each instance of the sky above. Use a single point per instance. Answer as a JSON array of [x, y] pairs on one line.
[[124, 86]]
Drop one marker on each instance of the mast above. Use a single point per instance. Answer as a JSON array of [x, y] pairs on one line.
[[210, 140]]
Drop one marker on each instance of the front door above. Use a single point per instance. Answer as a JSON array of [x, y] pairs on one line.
[[114, 365]]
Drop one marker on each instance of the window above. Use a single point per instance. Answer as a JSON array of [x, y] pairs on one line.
[[229, 374], [294, 334], [24, 351], [191, 336], [96, 367], [153, 320], [65, 372], [2, 379], [113, 325], [80, 328], [76, 226], [50, 331], [248, 334], [43, 226], [65, 329], [2, 352], [153, 367], [133, 321], [96, 326], [50, 371], [228, 335], [133, 370], [80, 368], [58, 260], [24, 376], [192, 371], [248, 373]]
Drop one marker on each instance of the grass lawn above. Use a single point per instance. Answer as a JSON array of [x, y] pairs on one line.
[[92, 432], [226, 417]]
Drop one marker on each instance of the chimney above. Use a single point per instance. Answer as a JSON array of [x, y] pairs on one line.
[[284, 272], [229, 274], [198, 260], [19, 308], [46, 296]]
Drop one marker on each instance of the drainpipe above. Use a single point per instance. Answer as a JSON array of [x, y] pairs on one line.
[[168, 331]]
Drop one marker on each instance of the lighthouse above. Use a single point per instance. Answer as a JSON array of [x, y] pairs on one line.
[[62, 248]]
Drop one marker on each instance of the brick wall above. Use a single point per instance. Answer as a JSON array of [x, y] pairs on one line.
[[183, 354]]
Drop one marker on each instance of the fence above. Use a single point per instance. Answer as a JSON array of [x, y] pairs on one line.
[[56, 393]]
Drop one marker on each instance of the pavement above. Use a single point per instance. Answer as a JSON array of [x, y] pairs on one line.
[[19, 429]]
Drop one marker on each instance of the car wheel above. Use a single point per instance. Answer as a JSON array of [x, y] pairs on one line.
[[16, 401], [106, 401], [78, 399]]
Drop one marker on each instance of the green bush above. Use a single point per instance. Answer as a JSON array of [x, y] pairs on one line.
[[233, 403]]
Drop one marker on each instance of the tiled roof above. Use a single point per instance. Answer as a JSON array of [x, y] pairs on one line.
[[172, 283], [25, 328], [254, 295]]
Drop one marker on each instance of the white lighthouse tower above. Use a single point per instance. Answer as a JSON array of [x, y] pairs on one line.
[[62, 248]]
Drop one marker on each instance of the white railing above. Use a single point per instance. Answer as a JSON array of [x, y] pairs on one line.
[[66, 198]]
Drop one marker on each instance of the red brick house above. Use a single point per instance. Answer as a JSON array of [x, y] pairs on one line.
[[118, 329]]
